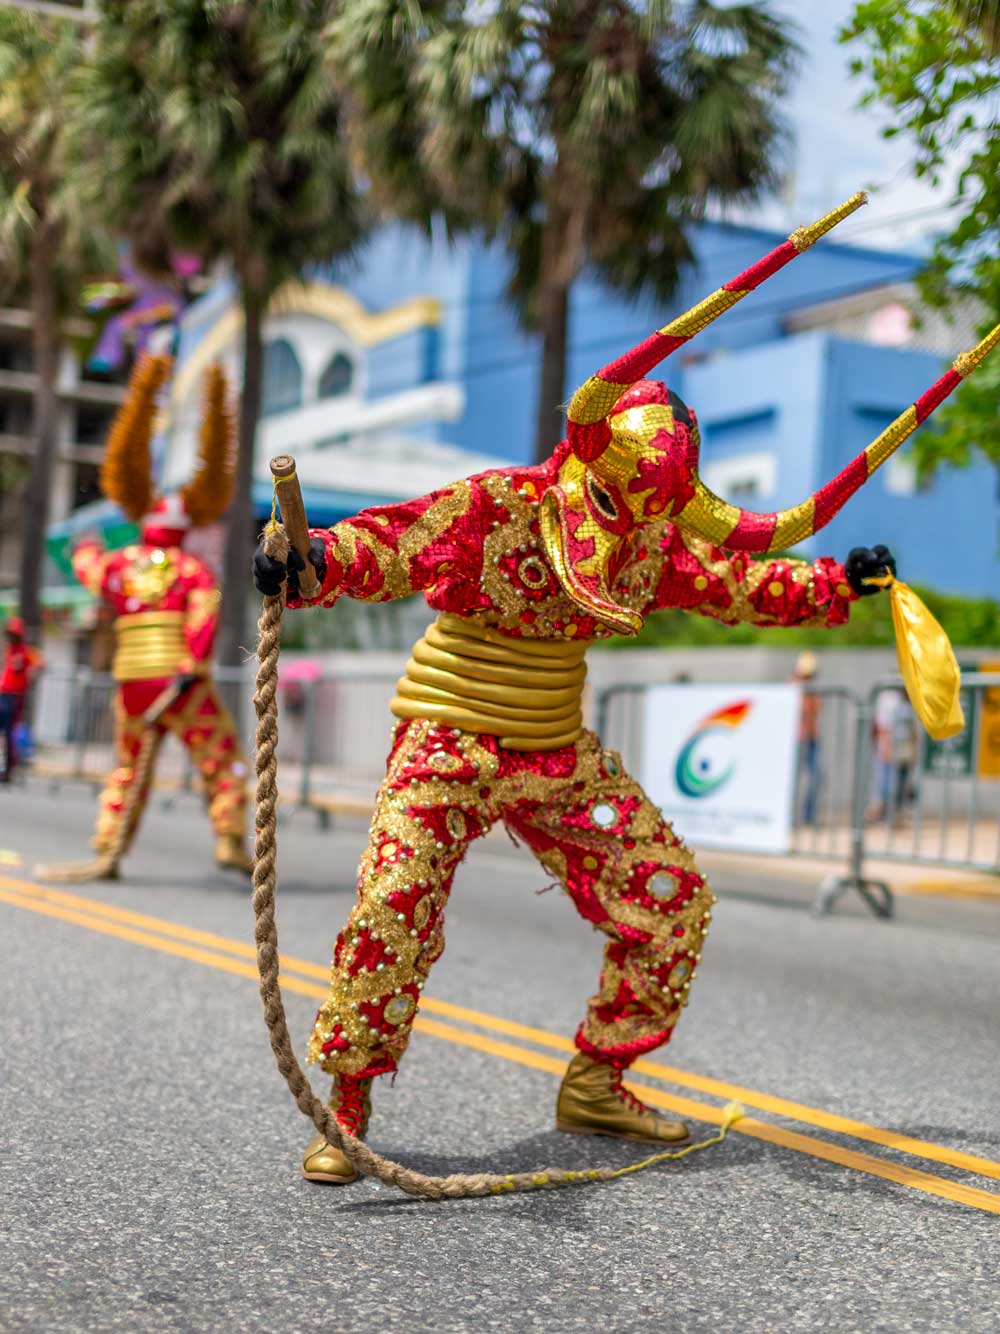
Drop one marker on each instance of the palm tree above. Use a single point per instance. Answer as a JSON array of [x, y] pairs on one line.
[[46, 243], [220, 133], [984, 16], [582, 132]]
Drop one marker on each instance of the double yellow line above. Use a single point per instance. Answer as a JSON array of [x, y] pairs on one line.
[[235, 956]]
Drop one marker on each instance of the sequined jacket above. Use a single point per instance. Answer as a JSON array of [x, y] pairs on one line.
[[474, 548], [138, 581]]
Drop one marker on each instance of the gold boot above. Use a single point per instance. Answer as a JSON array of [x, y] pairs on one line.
[[351, 1103], [231, 854], [592, 1101]]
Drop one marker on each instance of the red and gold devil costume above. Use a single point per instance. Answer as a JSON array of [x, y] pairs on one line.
[[527, 567], [167, 606]]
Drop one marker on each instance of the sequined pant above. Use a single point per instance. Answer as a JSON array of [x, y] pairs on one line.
[[591, 827], [203, 724]]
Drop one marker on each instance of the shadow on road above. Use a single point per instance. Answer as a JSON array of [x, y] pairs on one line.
[[553, 1151]]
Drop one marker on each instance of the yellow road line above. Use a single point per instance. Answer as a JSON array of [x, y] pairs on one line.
[[985, 888], [50, 903], [699, 1111], [160, 924], [862, 1162], [165, 946], [766, 1102], [795, 1111], [962, 884]]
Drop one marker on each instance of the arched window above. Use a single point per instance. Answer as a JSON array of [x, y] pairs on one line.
[[282, 388], [337, 377]]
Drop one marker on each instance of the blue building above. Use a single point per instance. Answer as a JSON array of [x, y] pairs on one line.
[[409, 370]]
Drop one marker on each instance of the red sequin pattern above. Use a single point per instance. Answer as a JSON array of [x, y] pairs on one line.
[[474, 549]]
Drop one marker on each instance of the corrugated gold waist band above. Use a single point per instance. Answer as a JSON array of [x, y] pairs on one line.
[[527, 692], [149, 644]]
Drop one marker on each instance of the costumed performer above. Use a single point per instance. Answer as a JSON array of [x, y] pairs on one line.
[[527, 567], [167, 606]]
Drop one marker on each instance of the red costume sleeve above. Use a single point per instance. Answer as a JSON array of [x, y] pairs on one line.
[[201, 612], [696, 576], [90, 565], [391, 551]]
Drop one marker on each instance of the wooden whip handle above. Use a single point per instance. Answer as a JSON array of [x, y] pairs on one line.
[[293, 516]]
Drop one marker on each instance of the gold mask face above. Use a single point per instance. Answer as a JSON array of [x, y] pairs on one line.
[[650, 464], [645, 474]]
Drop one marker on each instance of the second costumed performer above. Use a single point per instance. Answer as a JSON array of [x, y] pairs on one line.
[[527, 567], [167, 605]]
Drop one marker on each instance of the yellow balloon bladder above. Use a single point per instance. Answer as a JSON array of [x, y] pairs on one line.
[[927, 662]]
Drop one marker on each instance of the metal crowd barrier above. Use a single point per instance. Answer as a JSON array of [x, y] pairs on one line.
[[335, 736], [906, 799], [935, 803], [919, 801]]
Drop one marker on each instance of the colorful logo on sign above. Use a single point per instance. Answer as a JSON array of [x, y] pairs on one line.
[[704, 763]]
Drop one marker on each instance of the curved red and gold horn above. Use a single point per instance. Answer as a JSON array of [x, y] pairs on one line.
[[725, 525], [587, 430]]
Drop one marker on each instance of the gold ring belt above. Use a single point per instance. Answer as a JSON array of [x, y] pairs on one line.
[[527, 692], [149, 644]]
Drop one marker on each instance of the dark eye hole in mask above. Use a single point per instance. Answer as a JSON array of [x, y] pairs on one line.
[[601, 499]]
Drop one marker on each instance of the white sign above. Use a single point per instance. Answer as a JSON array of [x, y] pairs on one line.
[[719, 761]]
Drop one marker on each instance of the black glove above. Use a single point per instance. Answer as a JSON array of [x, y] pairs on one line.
[[269, 574], [868, 563], [185, 680]]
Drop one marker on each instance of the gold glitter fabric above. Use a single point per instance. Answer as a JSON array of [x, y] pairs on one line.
[[512, 602], [699, 317], [167, 606], [966, 362], [166, 601], [686, 572], [593, 830], [476, 551], [891, 438], [205, 728], [594, 400], [803, 237], [596, 397], [709, 516]]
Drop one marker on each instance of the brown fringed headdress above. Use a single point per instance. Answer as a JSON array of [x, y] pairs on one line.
[[126, 474], [206, 497]]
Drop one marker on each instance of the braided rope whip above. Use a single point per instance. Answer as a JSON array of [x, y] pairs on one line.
[[361, 1157]]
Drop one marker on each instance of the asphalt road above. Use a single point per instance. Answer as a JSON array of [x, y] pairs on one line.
[[150, 1150]]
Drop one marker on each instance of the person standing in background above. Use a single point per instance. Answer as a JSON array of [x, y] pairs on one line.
[[895, 746], [810, 712], [21, 664]]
